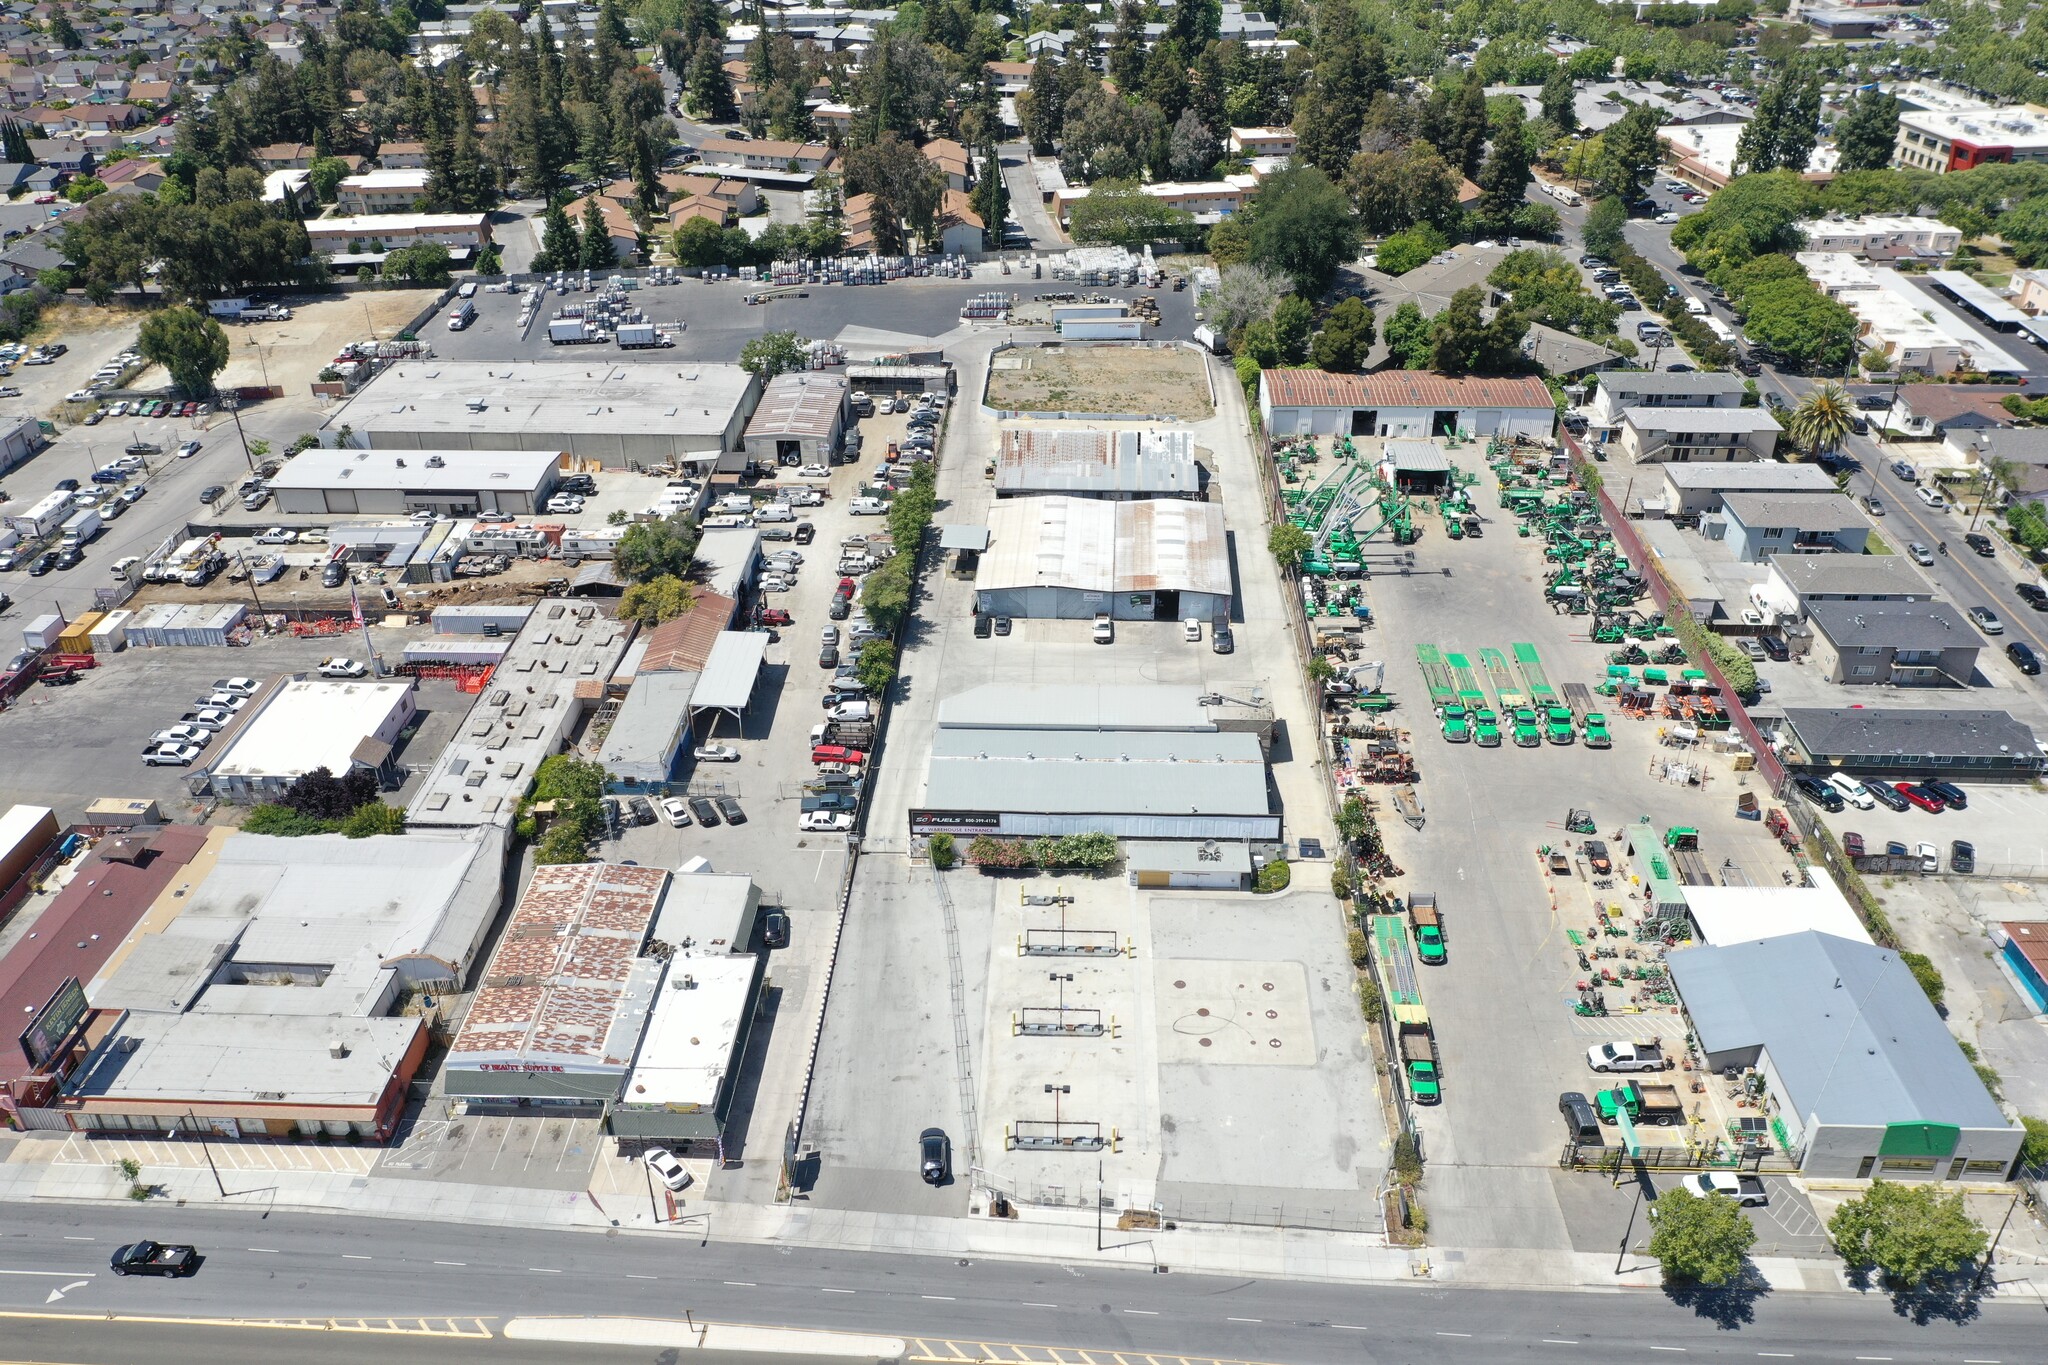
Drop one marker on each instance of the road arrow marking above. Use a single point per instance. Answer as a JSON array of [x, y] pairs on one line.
[[56, 1294]]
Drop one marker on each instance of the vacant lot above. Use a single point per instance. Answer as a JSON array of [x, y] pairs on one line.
[[1140, 381]]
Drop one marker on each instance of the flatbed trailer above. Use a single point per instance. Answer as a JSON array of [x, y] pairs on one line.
[[1395, 965], [1541, 693], [1505, 688], [1436, 676], [1580, 699]]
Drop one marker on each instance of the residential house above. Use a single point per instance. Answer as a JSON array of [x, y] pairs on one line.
[[1760, 525], [1620, 390], [134, 172], [619, 225], [1250, 142], [69, 157], [1799, 582], [960, 229], [1882, 237], [402, 156], [284, 156], [2024, 447], [20, 177], [952, 160], [22, 263], [1657, 435], [386, 191], [1010, 78], [1894, 644], [373, 235]]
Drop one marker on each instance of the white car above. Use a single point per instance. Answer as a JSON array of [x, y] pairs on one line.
[[1931, 498], [814, 471], [241, 687], [212, 718], [171, 755], [717, 753], [188, 450], [675, 810], [278, 535], [426, 516], [180, 734], [1743, 1189], [342, 668], [825, 822], [1666, 219], [222, 701], [790, 557], [565, 502], [667, 1169]]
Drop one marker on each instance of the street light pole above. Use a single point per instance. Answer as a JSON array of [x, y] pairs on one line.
[[234, 408], [1630, 1230], [1991, 1253]]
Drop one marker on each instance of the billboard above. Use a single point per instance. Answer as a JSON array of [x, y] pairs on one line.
[[51, 1029]]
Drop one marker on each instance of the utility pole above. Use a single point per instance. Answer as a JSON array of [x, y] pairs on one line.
[[1630, 1230], [209, 1154], [234, 408], [244, 562], [1098, 1203], [1991, 1252]]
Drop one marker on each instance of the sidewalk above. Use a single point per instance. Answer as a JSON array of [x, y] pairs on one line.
[[1066, 1237]]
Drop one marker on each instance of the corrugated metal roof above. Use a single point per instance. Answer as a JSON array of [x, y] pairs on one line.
[[1401, 389], [1059, 460], [730, 672], [1418, 457], [1173, 546], [1080, 773], [1074, 706], [685, 643], [800, 403], [1050, 542]]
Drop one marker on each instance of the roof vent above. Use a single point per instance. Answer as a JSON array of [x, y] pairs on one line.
[[337, 1049]]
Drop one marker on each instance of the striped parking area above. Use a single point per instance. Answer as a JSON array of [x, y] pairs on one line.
[[468, 1327], [86, 1149]]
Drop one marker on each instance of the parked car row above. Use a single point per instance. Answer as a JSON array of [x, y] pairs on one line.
[[1839, 791]]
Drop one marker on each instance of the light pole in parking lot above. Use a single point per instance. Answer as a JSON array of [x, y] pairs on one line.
[[234, 407]]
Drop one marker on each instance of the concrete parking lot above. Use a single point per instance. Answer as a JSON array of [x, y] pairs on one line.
[[68, 746]]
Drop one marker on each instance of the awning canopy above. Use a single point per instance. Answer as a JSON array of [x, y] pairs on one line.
[[963, 538], [727, 683]]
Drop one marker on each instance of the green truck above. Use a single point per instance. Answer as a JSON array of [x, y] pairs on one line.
[[1486, 728], [1658, 1105], [1429, 930], [1596, 731], [1419, 1062], [1557, 725], [1527, 735], [1457, 724]]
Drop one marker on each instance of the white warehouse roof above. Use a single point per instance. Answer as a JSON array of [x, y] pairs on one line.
[[453, 471], [516, 397], [1095, 546], [311, 723]]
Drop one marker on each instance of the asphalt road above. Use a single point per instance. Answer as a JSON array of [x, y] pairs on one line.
[[291, 1266]]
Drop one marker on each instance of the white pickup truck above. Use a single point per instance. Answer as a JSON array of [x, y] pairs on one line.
[[1643, 1055]]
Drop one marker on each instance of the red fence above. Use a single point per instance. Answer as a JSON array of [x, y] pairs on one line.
[[1638, 554]]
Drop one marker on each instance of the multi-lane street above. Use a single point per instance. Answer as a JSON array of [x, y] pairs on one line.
[[452, 1283]]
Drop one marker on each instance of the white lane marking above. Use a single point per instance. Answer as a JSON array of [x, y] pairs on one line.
[[79, 1239], [1041, 1305], [940, 1298], [1244, 1319], [51, 1274], [741, 1284], [1667, 1348], [1873, 1357], [451, 1263], [1347, 1327], [1775, 1355], [835, 1291], [264, 1251], [62, 1290], [643, 1277], [1144, 1312], [1454, 1334], [347, 1257], [1553, 1341], [542, 1270]]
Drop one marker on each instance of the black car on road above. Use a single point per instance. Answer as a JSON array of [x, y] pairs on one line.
[[935, 1156], [2023, 658], [2033, 594], [154, 1258], [706, 813], [1887, 797], [1980, 543], [1818, 792]]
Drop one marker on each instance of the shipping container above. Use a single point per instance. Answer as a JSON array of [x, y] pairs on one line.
[[476, 620], [77, 636], [110, 636], [44, 631]]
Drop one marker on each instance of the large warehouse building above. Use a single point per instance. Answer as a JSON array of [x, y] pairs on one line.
[[1068, 558], [1403, 403], [306, 724], [452, 483], [597, 411], [1138, 762], [1090, 463]]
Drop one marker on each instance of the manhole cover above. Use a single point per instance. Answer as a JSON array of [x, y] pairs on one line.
[[1272, 1014], [1202, 1013], [1203, 1041], [1265, 985], [1273, 1042], [1180, 985]]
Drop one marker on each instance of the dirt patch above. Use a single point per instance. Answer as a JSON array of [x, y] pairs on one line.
[[299, 589], [290, 355], [1166, 382]]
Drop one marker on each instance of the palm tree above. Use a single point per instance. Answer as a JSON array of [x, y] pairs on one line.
[[1822, 419]]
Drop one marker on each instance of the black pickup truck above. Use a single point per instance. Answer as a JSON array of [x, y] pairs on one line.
[[155, 1258]]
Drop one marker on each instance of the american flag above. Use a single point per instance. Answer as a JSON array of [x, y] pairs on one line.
[[355, 605]]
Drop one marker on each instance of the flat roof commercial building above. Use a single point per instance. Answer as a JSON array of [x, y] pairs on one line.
[[1942, 141], [1875, 742], [453, 483], [1135, 762], [1864, 1077], [1403, 403], [308, 724], [1071, 558], [1115, 465], [648, 733], [620, 415], [556, 668], [566, 996], [373, 234], [799, 419]]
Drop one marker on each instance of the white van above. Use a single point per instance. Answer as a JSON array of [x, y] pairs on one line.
[[736, 503], [1695, 307], [727, 523], [867, 507], [1191, 631], [1854, 792], [775, 511]]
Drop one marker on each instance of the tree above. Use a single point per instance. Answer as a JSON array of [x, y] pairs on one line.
[[1039, 106], [661, 548], [1349, 69], [64, 33], [84, 188], [1602, 232], [1704, 1241], [699, 242], [1289, 544], [1786, 125], [907, 187], [874, 666], [1346, 338], [595, 248], [559, 247], [1822, 419], [423, 263], [1191, 148], [320, 795], [1407, 334], [655, 600], [1119, 213], [1401, 187], [1629, 153], [1404, 251], [1908, 1232], [774, 353], [1558, 99], [1463, 341], [1292, 319], [1302, 227], [1504, 179], [188, 344], [1352, 820], [1245, 294], [710, 87], [991, 197], [1867, 131]]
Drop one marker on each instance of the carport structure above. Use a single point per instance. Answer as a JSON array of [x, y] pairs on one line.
[[730, 673]]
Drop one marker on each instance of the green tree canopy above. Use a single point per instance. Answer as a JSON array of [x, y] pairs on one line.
[[1909, 1232], [1704, 1241], [1119, 213], [774, 353], [1303, 227], [1346, 338], [188, 344], [1867, 131], [662, 548], [658, 599]]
